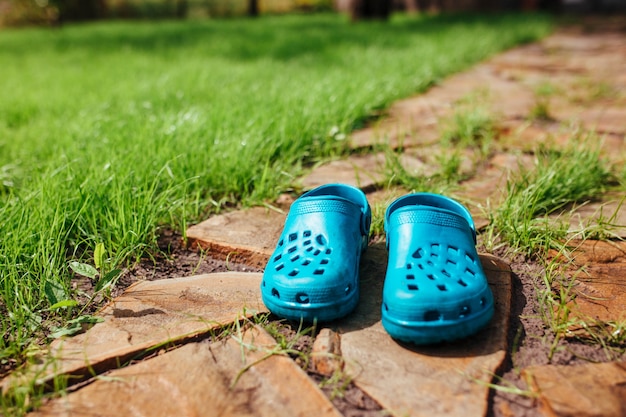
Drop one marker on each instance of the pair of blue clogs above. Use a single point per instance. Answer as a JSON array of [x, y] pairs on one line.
[[435, 288]]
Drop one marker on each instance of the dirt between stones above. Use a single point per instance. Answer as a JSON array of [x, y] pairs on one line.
[[529, 340]]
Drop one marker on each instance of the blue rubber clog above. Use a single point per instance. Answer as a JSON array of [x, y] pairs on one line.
[[313, 273], [435, 289]]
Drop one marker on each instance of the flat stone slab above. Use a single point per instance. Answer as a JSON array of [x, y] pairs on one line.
[[246, 235], [526, 136], [442, 380], [590, 390], [362, 171], [486, 86], [150, 314], [418, 121], [202, 379], [600, 54], [410, 122], [601, 119], [600, 271]]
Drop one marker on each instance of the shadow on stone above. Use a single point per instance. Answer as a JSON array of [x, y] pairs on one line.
[[368, 311], [372, 276], [126, 312], [392, 373]]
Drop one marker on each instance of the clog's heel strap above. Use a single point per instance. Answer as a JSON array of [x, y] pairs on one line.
[[345, 192], [435, 201]]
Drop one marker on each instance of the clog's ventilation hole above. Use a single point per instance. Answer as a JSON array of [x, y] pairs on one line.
[[312, 252], [302, 298], [442, 277], [433, 315]]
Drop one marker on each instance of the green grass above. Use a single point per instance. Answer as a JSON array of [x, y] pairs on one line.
[[111, 131], [466, 134], [558, 179], [553, 185], [439, 182], [471, 125]]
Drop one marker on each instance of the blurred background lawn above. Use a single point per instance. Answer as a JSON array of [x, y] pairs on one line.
[[20, 12]]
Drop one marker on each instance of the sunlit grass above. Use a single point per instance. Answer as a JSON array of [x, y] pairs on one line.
[[558, 178]]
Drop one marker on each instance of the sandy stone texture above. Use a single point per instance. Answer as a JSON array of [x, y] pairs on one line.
[[591, 390], [150, 314], [440, 380], [244, 375]]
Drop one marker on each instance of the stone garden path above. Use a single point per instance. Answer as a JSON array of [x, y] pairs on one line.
[[167, 331]]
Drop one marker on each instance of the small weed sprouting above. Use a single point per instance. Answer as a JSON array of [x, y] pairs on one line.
[[557, 292], [105, 280], [556, 297], [287, 342], [503, 385], [541, 108], [398, 175], [587, 90], [470, 131], [377, 228], [450, 165], [610, 335], [471, 127], [337, 383]]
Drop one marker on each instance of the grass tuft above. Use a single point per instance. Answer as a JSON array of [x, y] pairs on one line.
[[557, 179]]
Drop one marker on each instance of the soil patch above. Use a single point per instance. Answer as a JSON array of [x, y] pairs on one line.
[[176, 260], [531, 343]]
